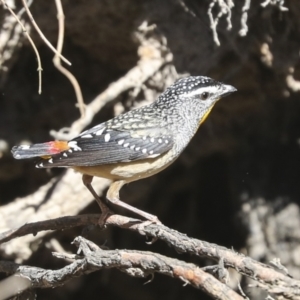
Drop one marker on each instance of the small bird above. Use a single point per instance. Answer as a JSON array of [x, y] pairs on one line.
[[136, 144]]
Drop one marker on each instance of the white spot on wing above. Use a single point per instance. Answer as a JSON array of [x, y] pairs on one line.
[[65, 155], [160, 141], [74, 146], [120, 142], [144, 150], [50, 161], [86, 136], [137, 148], [152, 140], [25, 147], [126, 145], [99, 132], [107, 137], [144, 138], [132, 147]]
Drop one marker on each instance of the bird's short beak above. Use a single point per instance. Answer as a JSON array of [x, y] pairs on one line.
[[227, 90]]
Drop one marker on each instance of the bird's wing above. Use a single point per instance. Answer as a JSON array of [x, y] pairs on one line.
[[102, 145]]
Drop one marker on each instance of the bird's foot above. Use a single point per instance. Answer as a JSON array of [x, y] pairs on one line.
[[105, 214]]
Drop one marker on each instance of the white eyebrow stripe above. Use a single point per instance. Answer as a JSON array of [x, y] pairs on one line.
[[210, 89]]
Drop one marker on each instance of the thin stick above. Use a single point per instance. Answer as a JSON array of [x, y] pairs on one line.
[[57, 61], [39, 69], [42, 35], [132, 262], [269, 279]]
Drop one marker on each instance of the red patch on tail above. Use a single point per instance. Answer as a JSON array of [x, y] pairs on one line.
[[58, 146]]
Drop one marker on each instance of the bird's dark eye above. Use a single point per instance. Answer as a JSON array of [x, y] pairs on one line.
[[204, 95]]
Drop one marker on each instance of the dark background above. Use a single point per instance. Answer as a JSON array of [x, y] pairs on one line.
[[237, 181]]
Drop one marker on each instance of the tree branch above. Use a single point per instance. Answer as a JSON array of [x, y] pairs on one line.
[[133, 263], [41, 33], [39, 69], [57, 58], [268, 278]]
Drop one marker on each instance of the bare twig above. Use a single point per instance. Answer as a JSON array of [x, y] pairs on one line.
[[225, 7], [186, 8], [244, 27], [57, 61], [10, 39], [41, 33], [134, 263], [277, 264], [268, 278], [278, 3], [53, 224], [31, 42], [242, 292], [22, 10], [213, 23], [292, 82]]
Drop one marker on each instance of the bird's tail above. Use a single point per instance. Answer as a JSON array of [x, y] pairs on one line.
[[44, 150]]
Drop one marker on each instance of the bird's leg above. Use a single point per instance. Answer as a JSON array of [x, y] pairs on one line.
[[113, 196], [105, 211]]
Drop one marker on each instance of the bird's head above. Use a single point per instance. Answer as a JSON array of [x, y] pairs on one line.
[[193, 97]]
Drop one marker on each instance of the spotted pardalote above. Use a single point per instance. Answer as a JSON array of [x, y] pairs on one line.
[[136, 144]]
